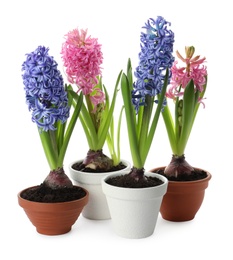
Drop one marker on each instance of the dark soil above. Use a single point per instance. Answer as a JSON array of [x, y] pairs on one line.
[[42, 193], [123, 180], [127, 181], [196, 175], [81, 167]]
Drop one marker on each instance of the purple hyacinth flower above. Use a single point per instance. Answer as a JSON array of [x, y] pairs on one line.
[[154, 58], [44, 88]]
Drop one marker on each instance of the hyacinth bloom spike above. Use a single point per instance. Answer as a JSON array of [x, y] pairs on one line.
[[45, 93], [49, 102], [139, 97], [154, 58], [82, 58]]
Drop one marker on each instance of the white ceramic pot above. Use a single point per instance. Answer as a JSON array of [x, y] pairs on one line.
[[134, 211], [97, 207]]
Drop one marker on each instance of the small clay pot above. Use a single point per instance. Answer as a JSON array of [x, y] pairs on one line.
[[53, 218], [183, 198]]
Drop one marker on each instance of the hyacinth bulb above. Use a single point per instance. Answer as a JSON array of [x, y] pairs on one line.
[[58, 179]]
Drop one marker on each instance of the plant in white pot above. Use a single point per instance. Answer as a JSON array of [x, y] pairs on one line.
[[134, 198], [55, 204], [82, 58], [187, 184]]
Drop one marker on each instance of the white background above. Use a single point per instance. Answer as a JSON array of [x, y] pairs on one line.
[[207, 25]]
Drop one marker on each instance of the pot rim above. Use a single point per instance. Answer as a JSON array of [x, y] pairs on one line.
[[51, 203], [208, 177]]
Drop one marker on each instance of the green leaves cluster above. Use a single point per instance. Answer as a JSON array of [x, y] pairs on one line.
[[142, 126], [99, 126], [180, 127]]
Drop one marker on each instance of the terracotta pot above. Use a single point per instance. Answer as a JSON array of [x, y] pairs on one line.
[[53, 218], [183, 198], [97, 207], [134, 211]]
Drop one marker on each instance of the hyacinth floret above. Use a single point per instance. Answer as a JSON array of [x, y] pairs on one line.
[[154, 58], [82, 58], [44, 88], [193, 68]]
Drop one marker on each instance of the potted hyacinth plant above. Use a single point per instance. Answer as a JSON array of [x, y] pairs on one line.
[[140, 191], [187, 90], [49, 102], [82, 57]]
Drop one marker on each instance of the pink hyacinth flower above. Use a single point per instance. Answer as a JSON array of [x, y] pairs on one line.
[[82, 58], [193, 69]]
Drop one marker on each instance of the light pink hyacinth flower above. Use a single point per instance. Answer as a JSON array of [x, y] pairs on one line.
[[193, 69], [82, 58]]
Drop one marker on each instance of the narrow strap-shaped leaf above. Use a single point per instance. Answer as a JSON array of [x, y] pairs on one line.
[[187, 115], [155, 118], [170, 126], [70, 127], [118, 136], [50, 154], [60, 132], [105, 112], [89, 128], [201, 95], [130, 120], [102, 133]]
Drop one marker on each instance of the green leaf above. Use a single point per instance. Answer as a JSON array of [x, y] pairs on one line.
[[71, 125], [89, 128], [118, 136], [170, 126], [155, 119], [187, 115], [50, 154], [130, 120], [201, 95], [104, 127]]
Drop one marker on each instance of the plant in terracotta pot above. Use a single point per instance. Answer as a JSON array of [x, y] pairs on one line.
[[187, 184], [134, 198], [82, 57], [56, 199]]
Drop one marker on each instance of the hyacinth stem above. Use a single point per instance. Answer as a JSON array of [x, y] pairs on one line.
[[88, 127], [90, 111]]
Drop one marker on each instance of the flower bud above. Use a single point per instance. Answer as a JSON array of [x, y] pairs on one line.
[[189, 52], [180, 120], [180, 103]]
